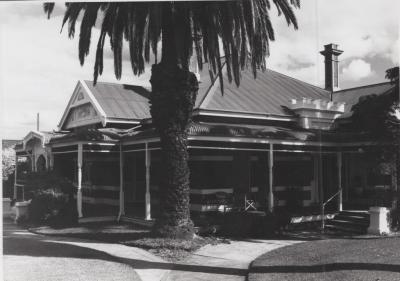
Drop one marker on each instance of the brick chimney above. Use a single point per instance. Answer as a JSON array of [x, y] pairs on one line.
[[331, 54]]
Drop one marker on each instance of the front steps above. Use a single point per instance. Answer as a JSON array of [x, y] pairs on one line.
[[350, 222]]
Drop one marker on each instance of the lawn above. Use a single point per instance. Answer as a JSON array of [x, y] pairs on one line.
[[333, 259]]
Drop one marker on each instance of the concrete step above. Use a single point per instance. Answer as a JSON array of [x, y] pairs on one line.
[[350, 221], [356, 221], [354, 213], [351, 217], [346, 229]]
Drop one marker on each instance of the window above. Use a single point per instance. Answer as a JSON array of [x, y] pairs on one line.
[[209, 174], [41, 164], [296, 173]]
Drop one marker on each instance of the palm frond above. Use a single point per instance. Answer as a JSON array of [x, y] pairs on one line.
[[48, 8], [241, 29]]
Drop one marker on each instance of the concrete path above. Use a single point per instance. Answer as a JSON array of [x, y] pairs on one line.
[[223, 261], [28, 256]]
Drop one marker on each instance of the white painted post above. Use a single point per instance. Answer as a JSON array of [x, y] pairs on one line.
[[51, 159], [271, 179], [79, 191], [339, 164], [316, 179], [33, 162], [378, 222], [15, 177], [148, 163], [121, 183]]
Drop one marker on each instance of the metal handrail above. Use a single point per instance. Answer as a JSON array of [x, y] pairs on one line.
[[323, 207]]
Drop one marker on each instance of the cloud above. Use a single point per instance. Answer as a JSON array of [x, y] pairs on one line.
[[364, 29], [394, 53], [357, 70]]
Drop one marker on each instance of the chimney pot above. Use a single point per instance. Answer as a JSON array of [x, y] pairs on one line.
[[331, 54]]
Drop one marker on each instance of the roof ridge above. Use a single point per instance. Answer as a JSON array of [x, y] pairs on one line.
[[298, 80], [114, 83], [216, 77], [364, 86]]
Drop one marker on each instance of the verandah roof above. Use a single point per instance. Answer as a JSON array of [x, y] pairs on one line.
[[258, 132], [209, 130], [106, 134]]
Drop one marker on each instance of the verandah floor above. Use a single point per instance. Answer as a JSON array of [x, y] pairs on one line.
[[99, 210]]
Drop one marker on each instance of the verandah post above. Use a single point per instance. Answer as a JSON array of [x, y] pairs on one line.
[[339, 165], [121, 183], [148, 163], [79, 191], [271, 179], [15, 176]]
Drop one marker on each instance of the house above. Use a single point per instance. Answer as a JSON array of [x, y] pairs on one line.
[[273, 139]]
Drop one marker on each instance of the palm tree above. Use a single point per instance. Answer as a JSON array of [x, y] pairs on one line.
[[242, 29]]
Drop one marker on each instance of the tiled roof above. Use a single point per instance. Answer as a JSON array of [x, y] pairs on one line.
[[121, 101], [351, 96]]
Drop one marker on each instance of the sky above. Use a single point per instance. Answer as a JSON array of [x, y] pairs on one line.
[[39, 66]]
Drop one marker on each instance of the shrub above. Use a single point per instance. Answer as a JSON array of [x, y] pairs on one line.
[[48, 180], [394, 216], [8, 187], [247, 224], [51, 206]]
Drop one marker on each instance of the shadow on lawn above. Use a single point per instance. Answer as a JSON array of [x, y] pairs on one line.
[[320, 268], [27, 244], [104, 237]]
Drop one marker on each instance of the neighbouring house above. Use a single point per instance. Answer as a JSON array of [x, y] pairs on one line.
[[274, 140]]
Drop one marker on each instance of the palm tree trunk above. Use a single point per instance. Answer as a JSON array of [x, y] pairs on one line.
[[172, 99], [174, 91]]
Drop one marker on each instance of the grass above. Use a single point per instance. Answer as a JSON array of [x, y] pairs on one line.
[[331, 259]]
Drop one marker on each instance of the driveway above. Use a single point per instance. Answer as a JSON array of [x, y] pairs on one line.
[[28, 256]]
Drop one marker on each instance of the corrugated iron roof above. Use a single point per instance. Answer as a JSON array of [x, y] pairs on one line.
[[267, 94], [248, 131], [104, 134], [351, 96], [120, 100], [257, 132]]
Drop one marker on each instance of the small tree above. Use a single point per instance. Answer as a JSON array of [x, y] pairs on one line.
[[8, 162], [379, 115]]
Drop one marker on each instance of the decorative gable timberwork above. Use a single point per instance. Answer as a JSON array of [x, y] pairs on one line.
[[82, 110], [81, 115]]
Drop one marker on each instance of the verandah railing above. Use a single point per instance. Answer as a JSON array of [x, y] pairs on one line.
[[337, 194]]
